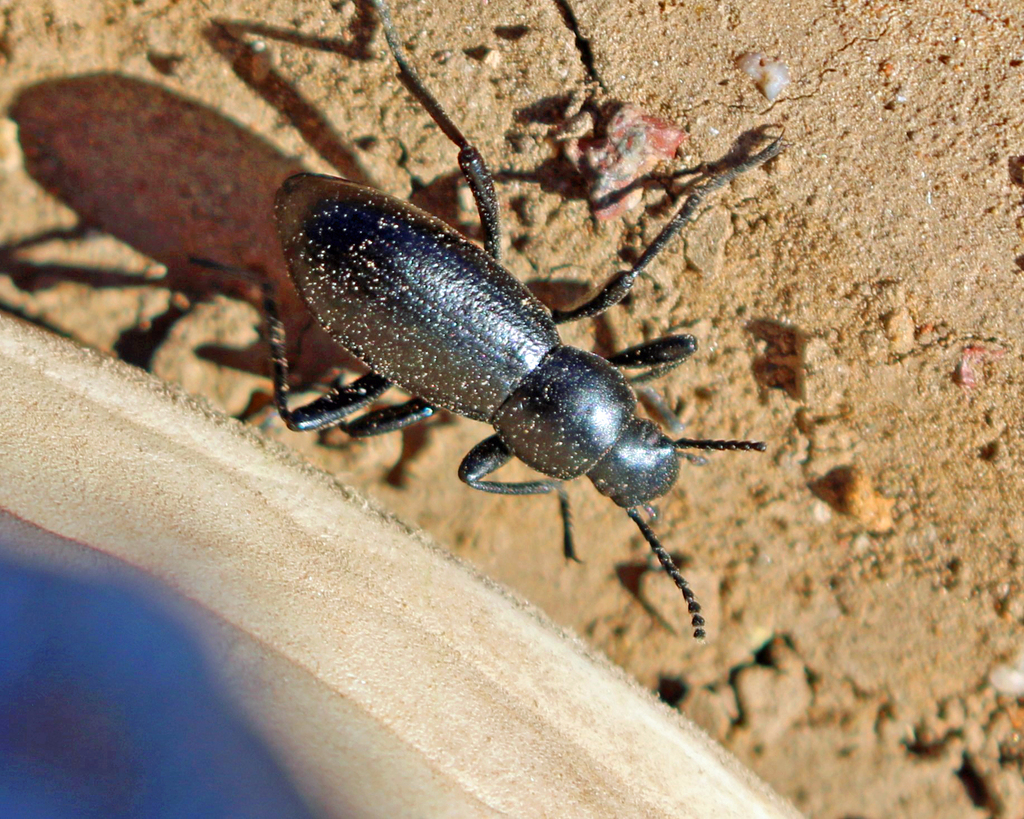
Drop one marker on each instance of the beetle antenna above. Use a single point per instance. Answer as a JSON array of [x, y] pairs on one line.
[[720, 446], [696, 619]]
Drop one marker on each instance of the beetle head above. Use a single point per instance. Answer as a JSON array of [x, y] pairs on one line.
[[642, 465]]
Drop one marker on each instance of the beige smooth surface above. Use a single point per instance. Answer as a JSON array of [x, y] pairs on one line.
[[395, 680]]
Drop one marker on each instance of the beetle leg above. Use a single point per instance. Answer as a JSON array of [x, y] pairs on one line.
[[470, 160], [388, 419], [616, 288], [327, 410], [490, 455], [661, 355]]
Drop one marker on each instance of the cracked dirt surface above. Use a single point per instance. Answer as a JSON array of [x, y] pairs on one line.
[[857, 303]]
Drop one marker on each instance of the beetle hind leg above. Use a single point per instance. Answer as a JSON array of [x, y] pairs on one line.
[[331, 409], [388, 419], [327, 410], [340, 401], [471, 161]]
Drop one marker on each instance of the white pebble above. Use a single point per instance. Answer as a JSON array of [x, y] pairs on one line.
[[770, 76], [1009, 679]]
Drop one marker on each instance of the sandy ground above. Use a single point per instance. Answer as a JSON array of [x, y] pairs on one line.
[[857, 303]]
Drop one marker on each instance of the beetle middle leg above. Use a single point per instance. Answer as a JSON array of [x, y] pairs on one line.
[[661, 356], [616, 288], [490, 455]]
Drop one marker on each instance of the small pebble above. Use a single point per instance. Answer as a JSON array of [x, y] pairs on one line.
[[849, 491], [1009, 679], [634, 143], [968, 370], [770, 76]]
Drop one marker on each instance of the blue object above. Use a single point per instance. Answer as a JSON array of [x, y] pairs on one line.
[[107, 709]]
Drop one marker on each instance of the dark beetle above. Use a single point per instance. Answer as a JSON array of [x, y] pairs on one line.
[[434, 314]]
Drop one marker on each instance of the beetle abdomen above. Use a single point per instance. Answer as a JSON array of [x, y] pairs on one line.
[[413, 299]]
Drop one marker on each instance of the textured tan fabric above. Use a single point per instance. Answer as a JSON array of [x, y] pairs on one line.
[[393, 680]]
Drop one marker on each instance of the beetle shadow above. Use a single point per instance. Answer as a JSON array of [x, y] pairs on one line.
[[249, 62], [780, 362], [556, 175], [232, 40], [568, 180], [174, 180], [169, 177], [630, 572], [559, 175], [361, 30]]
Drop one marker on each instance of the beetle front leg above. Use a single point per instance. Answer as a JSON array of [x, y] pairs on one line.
[[662, 355], [490, 455]]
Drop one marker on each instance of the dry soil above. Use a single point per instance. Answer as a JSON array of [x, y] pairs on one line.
[[857, 302]]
